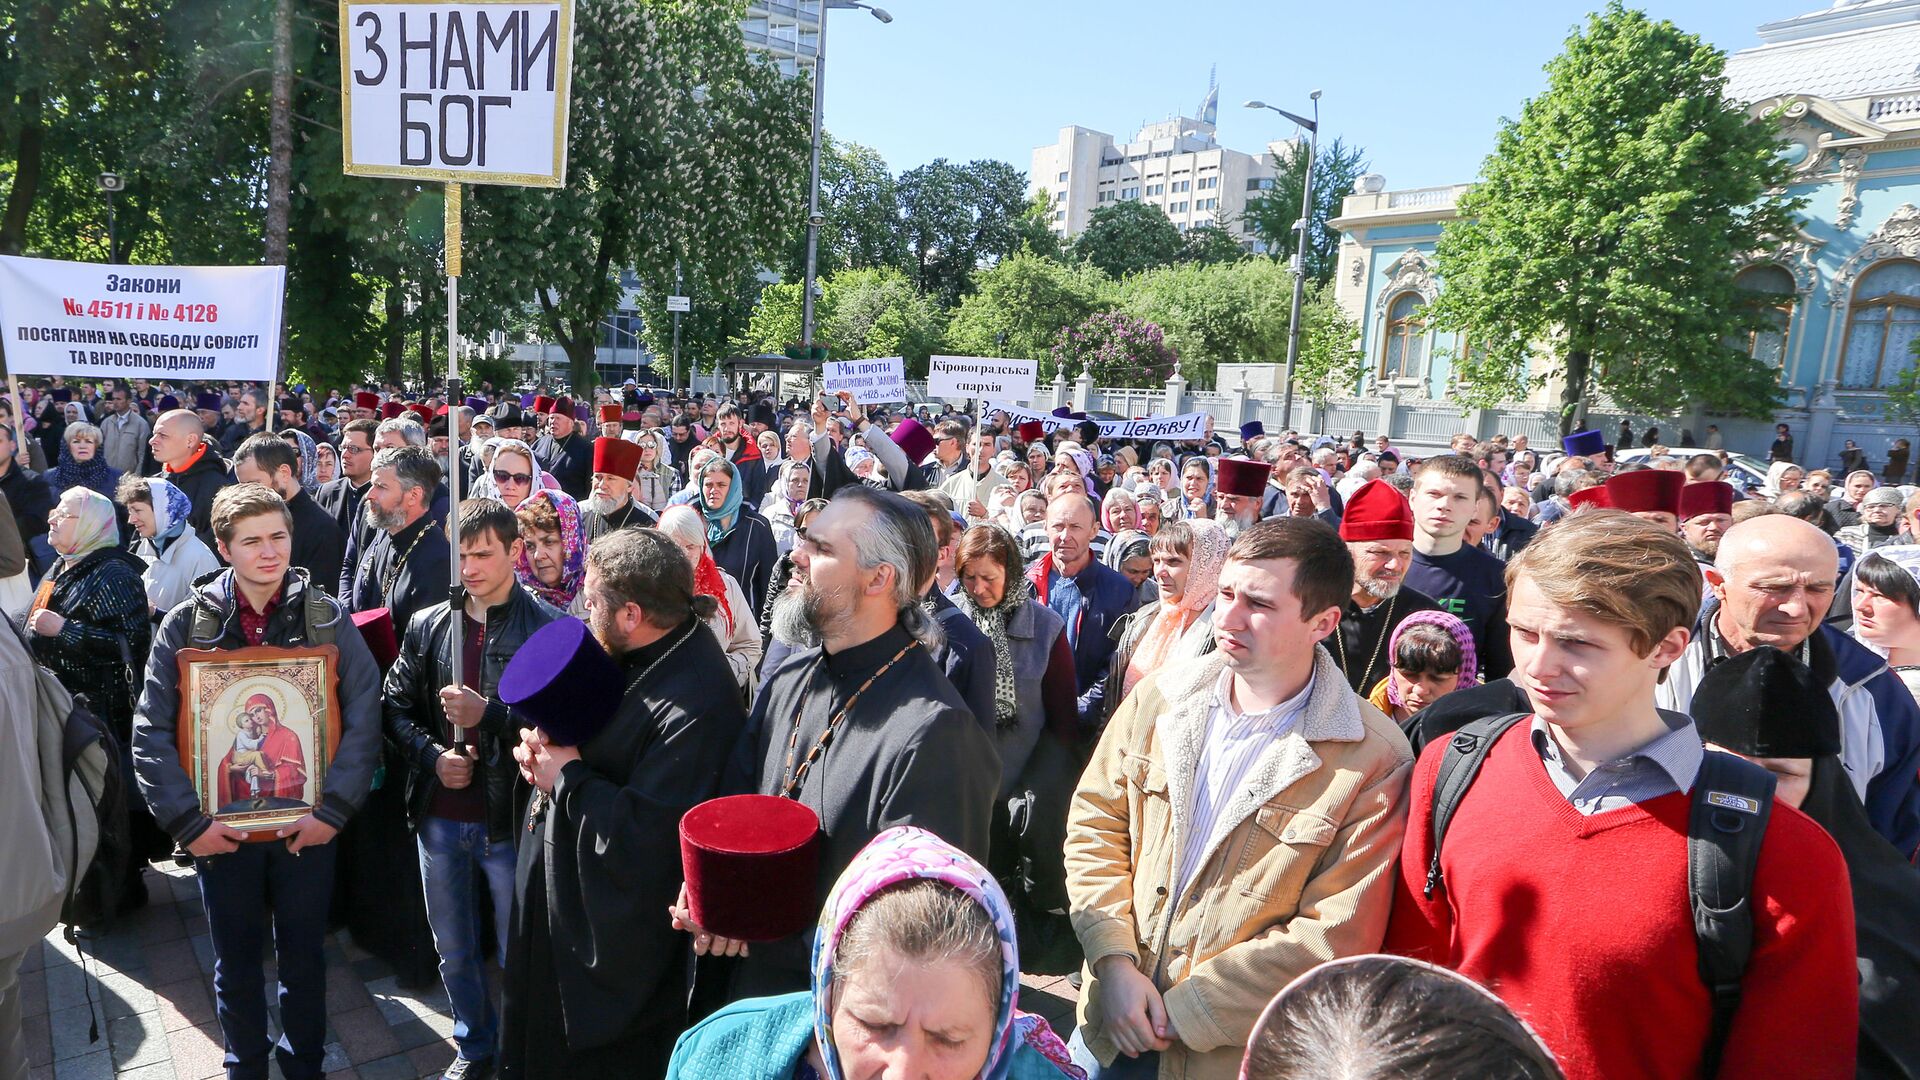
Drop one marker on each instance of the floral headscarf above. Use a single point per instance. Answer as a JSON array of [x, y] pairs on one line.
[[97, 527], [1209, 554], [171, 507], [574, 570], [904, 853], [1463, 637], [993, 623]]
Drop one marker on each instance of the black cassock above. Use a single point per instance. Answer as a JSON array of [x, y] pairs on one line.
[[909, 753], [596, 979], [570, 460], [1363, 637], [1886, 917]]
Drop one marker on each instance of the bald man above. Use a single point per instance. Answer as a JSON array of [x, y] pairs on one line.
[[1772, 582], [189, 460]]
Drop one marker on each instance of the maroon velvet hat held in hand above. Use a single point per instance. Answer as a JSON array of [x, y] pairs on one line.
[[752, 864]]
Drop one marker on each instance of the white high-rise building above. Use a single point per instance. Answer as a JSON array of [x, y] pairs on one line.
[[789, 32], [1175, 164]]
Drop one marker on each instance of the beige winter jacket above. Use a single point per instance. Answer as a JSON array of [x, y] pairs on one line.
[[1298, 869]]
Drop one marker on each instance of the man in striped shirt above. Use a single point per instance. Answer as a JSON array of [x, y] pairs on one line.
[[1239, 823]]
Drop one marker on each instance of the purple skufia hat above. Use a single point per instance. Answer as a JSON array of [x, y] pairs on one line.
[[526, 399], [562, 682], [168, 403], [477, 404], [583, 411], [913, 439], [207, 401], [1063, 412]]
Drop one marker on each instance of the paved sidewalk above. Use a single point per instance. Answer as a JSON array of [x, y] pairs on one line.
[[154, 1001]]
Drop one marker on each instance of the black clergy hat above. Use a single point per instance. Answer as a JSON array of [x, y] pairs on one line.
[[1764, 703]]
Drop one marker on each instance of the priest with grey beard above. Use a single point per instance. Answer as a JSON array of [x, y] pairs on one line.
[[1378, 529], [610, 505], [864, 728]]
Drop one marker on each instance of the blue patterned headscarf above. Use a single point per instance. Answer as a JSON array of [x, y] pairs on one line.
[[171, 508], [904, 853]]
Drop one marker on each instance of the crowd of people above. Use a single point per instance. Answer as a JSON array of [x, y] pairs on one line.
[[1302, 756]]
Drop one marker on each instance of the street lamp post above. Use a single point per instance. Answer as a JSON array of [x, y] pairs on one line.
[[1302, 226], [814, 220]]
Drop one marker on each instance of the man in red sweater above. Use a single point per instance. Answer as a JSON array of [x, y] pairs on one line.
[[1564, 871]]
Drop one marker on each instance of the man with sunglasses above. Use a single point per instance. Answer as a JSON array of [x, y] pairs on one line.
[[341, 495]]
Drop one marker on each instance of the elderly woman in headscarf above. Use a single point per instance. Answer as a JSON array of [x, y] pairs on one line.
[[309, 457], [88, 624], [1187, 557], [916, 972], [175, 555], [733, 621], [689, 495], [1130, 553], [741, 539], [1119, 512], [553, 561], [1034, 682], [1783, 477], [784, 499]]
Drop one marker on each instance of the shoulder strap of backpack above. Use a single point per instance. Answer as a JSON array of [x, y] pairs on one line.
[[1459, 764], [1732, 801], [322, 617]]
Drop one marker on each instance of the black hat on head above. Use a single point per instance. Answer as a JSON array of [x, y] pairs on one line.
[[1764, 703], [507, 414]]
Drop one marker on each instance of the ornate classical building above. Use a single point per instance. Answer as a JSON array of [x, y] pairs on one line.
[[1845, 291]]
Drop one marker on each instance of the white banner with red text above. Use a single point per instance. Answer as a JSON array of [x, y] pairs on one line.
[[100, 320], [1165, 428]]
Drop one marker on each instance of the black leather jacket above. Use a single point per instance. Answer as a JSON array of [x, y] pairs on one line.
[[416, 724]]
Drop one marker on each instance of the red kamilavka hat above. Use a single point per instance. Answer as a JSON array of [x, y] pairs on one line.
[[1239, 476], [752, 864], [1646, 491], [610, 414], [1594, 496], [616, 457], [1712, 497], [1377, 511]]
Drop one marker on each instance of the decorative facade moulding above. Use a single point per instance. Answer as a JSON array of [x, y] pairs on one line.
[[1898, 237], [1795, 256], [1411, 272]]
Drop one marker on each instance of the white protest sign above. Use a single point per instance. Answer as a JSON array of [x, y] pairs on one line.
[[1170, 428], [93, 320], [881, 380], [461, 92], [981, 377]]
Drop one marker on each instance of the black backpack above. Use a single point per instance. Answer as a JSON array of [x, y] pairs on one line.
[[1732, 800]]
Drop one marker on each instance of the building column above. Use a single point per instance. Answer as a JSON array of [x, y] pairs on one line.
[[1059, 389], [1082, 390], [1241, 397], [1821, 415], [1389, 396], [1176, 393]]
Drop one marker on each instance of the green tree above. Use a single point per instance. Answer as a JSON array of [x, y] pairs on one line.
[[860, 313], [1330, 361], [1214, 314], [1599, 246], [1211, 244], [1270, 214], [956, 218], [860, 204], [1126, 237], [1034, 229], [1020, 304], [682, 149]]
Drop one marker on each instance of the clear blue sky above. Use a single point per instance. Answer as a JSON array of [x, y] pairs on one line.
[[1421, 85]]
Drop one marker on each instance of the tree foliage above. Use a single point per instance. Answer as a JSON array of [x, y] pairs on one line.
[[682, 149], [1214, 314], [1126, 237], [861, 207], [1330, 362], [1021, 303], [860, 313], [956, 218], [1270, 215], [1601, 242]]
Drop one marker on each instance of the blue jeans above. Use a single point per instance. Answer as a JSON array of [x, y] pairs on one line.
[[454, 855], [1144, 1067], [263, 886]]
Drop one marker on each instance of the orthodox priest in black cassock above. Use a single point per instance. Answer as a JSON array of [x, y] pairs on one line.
[[908, 752], [596, 975], [1360, 644]]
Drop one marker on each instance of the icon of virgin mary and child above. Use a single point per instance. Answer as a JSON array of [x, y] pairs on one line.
[[266, 768]]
